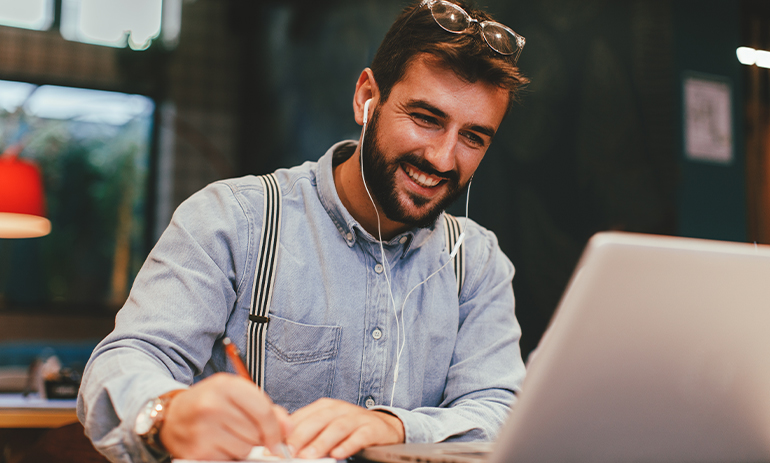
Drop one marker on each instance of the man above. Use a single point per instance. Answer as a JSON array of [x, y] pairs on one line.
[[368, 341]]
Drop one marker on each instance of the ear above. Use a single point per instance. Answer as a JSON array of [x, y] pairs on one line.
[[366, 88]]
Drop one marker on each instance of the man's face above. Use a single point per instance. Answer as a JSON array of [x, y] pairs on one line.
[[425, 142]]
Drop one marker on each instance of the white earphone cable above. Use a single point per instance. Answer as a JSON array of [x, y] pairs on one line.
[[385, 264], [400, 326], [403, 306]]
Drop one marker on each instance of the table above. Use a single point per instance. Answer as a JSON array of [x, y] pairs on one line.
[[24, 421], [17, 411]]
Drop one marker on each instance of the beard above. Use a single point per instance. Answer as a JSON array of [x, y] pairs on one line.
[[380, 176]]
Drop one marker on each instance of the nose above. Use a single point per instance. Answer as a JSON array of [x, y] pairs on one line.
[[441, 152]]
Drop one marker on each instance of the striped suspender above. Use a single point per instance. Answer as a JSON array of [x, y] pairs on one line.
[[264, 276], [452, 230]]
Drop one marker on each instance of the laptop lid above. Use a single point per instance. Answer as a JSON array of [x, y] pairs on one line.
[[442, 452], [659, 352]]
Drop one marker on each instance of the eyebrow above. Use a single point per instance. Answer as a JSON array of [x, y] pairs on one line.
[[483, 129]]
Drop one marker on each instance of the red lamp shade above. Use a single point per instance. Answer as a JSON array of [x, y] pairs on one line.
[[22, 200]]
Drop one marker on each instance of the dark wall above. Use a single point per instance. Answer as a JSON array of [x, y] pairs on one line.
[[712, 200], [594, 144], [590, 149]]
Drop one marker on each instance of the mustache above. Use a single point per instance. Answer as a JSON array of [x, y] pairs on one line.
[[426, 167]]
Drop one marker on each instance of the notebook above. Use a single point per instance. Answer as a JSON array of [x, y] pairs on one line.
[[659, 351], [260, 455]]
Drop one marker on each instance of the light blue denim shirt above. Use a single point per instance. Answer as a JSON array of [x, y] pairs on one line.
[[332, 331]]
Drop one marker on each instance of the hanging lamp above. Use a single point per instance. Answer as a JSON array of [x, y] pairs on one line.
[[22, 198]]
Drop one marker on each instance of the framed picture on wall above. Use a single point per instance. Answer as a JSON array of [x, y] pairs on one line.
[[708, 118]]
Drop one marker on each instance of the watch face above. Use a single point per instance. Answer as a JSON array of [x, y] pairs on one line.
[[145, 418]]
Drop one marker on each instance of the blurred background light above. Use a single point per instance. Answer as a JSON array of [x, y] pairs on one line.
[[172, 23], [746, 55], [763, 58], [14, 94], [66, 103], [749, 56], [114, 23], [27, 14]]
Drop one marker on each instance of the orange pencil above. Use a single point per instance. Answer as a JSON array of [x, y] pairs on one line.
[[235, 358]]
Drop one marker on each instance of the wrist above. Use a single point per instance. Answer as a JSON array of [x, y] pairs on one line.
[[395, 423], [151, 418]]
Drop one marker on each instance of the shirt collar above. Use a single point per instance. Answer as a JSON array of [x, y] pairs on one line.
[[348, 227]]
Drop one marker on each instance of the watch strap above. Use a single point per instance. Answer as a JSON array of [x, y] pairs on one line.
[[152, 438]]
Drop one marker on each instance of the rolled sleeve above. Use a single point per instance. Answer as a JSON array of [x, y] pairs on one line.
[[165, 332]]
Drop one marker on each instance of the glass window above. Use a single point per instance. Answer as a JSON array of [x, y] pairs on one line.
[[27, 14], [114, 23], [94, 151]]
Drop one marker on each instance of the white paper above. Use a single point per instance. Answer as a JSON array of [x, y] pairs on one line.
[[258, 454]]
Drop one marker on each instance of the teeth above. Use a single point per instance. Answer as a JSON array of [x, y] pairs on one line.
[[421, 178]]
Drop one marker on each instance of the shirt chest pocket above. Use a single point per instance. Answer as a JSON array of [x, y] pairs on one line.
[[301, 360]]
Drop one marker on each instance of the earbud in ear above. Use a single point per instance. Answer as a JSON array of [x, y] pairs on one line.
[[366, 110]]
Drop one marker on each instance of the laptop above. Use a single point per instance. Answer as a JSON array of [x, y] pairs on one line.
[[659, 351]]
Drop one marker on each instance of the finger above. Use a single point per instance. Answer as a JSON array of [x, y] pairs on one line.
[[244, 429], [229, 448], [336, 431], [375, 428], [231, 430], [359, 439], [196, 414], [258, 407], [309, 422], [232, 416], [281, 449], [217, 444], [215, 418], [287, 426], [316, 407], [270, 428]]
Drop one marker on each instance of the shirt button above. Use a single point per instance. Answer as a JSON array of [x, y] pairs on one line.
[[403, 239], [349, 236], [378, 268], [369, 403], [376, 334]]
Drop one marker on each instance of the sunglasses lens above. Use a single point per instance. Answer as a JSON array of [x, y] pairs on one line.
[[450, 16], [502, 39]]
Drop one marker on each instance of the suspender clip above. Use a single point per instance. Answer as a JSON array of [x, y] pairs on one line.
[[258, 318]]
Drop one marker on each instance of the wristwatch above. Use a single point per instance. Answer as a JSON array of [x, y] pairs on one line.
[[150, 420]]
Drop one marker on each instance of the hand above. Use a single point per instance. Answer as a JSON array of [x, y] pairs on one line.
[[340, 429], [222, 418]]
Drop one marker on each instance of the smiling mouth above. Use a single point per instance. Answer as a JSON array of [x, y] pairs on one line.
[[421, 178]]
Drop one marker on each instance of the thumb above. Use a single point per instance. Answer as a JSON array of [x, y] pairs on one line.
[[283, 418]]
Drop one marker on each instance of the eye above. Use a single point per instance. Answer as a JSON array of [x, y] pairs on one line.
[[424, 119], [474, 139]]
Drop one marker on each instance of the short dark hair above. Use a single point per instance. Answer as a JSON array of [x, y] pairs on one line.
[[415, 33]]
